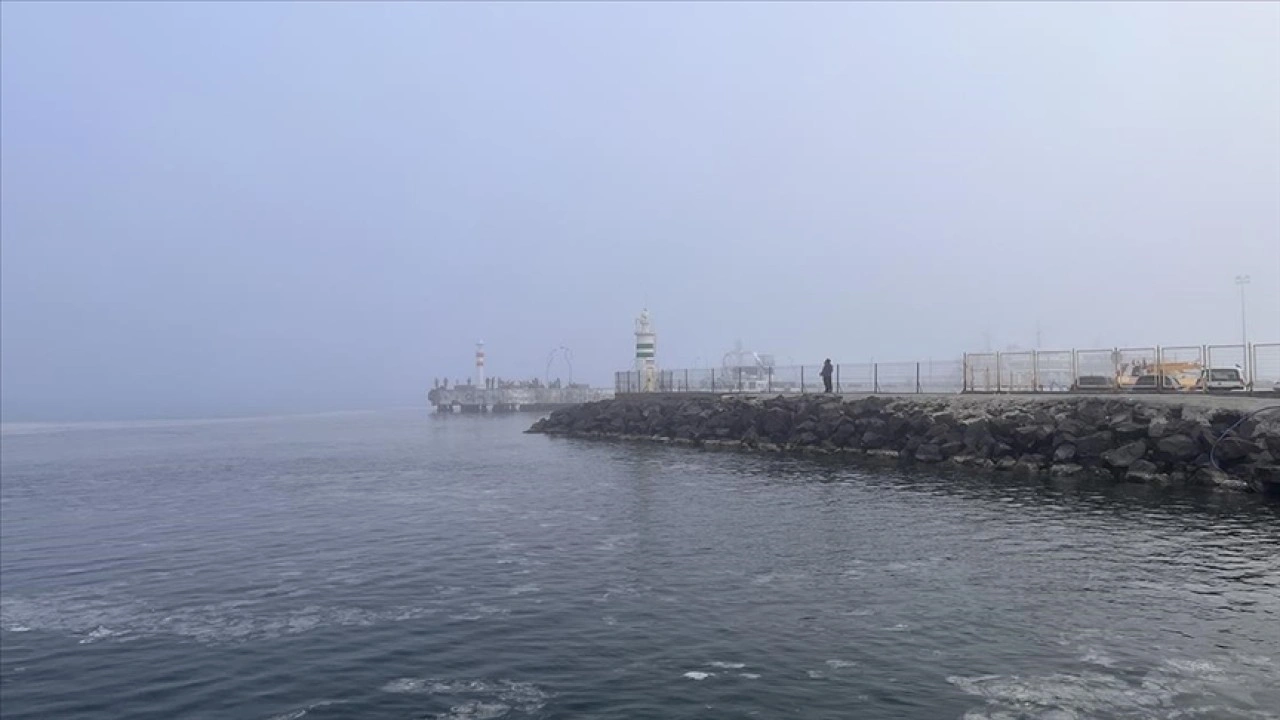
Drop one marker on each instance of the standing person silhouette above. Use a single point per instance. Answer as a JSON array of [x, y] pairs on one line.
[[827, 369]]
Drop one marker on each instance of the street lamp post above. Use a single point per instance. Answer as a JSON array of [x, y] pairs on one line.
[[1243, 280]]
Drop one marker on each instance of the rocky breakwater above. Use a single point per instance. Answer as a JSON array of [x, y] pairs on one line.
[[1159, 440]]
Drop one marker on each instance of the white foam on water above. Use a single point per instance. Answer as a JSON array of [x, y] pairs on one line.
[[302, 712], [1176, 688], [19, 628], [109, 613], [816, 674], [841, 664], [475, 710], [697, 675], [750, 676], [100, 633], [1097, 657], [480, 699], [523, 589], [900, 627], [726, 665]]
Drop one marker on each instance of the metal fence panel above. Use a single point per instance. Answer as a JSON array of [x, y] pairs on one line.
[[856, 378], [942, 376], [981, 372], [1265, 366], [1133, 363], [1228, 356], [1054, 370], [1017, 372], [897, 378], [1094, 366]]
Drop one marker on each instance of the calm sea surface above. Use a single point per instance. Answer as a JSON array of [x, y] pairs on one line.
[[396, 565]]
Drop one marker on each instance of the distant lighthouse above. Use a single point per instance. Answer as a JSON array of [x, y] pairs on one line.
[[480, 364], [646, 351]]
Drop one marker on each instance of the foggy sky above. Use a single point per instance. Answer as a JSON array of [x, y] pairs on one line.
[[229, 207]]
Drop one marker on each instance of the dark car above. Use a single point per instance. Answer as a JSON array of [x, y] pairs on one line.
[[1093, 383], [1147, 383]]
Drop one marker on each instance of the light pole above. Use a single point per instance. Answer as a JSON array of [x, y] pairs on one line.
[[1243, 280]]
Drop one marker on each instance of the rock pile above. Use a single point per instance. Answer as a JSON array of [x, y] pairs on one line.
[[1121, 438]]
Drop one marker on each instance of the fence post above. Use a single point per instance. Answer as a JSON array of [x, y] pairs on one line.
[[997, 373], [875, 378], [1159, 370], [713, 379], [964, 373], [1075, 369], [739, 379], [1035, 371], [1252, 358], [838, 380], [768, 379], [917, 378], [801, 379]]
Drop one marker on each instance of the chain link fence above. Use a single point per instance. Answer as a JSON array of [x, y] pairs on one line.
[[1179, 368]]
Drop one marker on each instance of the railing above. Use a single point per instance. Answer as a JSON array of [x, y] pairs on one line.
[[1038, 371], [934, 376], [1030, 371]]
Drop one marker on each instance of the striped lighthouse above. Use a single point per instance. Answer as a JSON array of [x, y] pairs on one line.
[[480, 364], [646, 353]]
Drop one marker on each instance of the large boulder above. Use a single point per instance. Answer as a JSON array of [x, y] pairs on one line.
[[1143, 471], [1064, 453], [1159, 427], [1129, 430], [928, 452], [775, 424], [873, 440], [1179, 448], [1232, 449], [1125, 455], [1091, 447]]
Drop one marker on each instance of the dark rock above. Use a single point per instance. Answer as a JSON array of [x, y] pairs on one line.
[[1177, 447], [1066, 469], [873, 440], [1006, 463], [951, 449], [775, 423], [1142, 471], [977, 434], [1064, 453], [1129, 430], [845, 433], [1093, 446], [1125, 455], [1031, 437], [928, 453], [1023, 467], [1159, 427], [1233, 449]]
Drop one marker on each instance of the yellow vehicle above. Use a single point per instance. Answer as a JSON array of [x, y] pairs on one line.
[[1185, 374]]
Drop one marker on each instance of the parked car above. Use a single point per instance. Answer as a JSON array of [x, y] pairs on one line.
[[1221, 380], [1093, 383], [1147, 383]]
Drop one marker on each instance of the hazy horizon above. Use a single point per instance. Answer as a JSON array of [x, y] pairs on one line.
[[229, 209]]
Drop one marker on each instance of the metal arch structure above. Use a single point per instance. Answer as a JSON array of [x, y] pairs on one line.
[[565, 354]]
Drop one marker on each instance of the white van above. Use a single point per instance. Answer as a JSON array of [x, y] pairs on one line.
[[1221, 379]]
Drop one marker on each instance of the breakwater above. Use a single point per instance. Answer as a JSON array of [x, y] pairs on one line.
[[1229, 443]]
